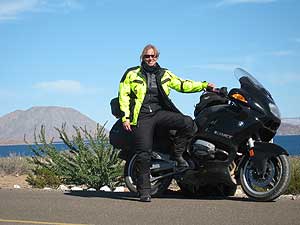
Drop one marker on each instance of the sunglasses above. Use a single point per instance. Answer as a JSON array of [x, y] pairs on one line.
[[149, 56]]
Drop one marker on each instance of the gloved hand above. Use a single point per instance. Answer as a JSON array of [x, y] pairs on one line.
[[126, 125], [210, 87]]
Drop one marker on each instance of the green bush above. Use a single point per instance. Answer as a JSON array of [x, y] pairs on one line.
[[294, 186], [43, 177], [90, 160]]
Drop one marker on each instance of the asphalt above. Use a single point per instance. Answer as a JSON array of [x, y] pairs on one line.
[[53, 207]]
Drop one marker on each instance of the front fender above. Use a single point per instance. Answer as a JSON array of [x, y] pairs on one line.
[[268, 149], [264, 151]]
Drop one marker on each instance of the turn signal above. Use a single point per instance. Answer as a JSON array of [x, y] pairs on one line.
[[239, 97], [251, 152]]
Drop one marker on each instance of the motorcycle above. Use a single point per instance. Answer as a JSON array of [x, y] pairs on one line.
[[232, 146]]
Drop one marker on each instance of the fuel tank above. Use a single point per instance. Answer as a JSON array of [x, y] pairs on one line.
[[226, 124]]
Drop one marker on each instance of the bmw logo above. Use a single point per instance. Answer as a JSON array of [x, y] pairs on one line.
[[241, 123]]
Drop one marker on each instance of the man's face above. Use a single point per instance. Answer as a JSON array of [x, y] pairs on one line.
[[150, 58]]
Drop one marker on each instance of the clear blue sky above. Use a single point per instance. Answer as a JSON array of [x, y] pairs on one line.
[[73, 53]]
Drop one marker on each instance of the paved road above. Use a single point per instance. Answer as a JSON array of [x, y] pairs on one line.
[[43, 207]]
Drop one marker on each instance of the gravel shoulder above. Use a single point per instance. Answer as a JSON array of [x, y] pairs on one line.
[[19, 182]]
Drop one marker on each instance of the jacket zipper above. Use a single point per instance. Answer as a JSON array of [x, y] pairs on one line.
[[149, 81]]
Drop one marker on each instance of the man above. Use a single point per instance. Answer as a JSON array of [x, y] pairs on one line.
[[143, 98]]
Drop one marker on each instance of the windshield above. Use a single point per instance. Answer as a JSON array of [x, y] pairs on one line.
[[247, 82], [257, 101], [258, 97], [240, 73]]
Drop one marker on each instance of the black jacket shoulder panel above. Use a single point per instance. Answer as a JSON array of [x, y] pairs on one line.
[[161, 73], [166, 101], [127, 71]]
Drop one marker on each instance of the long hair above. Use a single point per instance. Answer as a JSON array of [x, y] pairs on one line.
[[149, 46]]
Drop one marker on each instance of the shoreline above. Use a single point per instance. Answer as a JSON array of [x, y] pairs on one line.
[[18, 144]]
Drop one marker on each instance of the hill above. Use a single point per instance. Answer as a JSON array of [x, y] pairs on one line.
[[289, 126], [14, 125]]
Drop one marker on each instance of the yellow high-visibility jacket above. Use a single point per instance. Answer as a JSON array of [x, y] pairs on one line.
[[133, 88]]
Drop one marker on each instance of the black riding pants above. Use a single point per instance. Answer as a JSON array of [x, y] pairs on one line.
[[143, 140]]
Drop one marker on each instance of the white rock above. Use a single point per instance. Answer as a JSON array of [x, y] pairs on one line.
[[119, 189], [84, 187], [47, 188], [17, 186], [63, 188], [105, 188], [76, 189], [91, 189], [239, 193], [290, 196]]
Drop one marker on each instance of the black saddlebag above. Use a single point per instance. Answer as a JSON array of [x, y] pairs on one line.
[[115, 108], [119, 137]]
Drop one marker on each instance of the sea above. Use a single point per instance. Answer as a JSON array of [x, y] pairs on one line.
[[291, 143]]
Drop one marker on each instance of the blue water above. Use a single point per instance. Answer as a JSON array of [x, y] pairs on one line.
[[290, 143], [23, 150]]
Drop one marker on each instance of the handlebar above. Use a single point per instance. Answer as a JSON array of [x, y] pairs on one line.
[[220, 91]]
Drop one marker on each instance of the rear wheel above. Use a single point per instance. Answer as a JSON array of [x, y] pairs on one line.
[[269, 186], [157, 187]]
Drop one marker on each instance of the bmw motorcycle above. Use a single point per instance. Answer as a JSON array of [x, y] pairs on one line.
[[232, 146]]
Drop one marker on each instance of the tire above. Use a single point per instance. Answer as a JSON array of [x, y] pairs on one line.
[[275, 183], [157, 187]]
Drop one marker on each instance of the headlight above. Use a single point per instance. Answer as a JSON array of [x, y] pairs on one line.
[[274, 109]]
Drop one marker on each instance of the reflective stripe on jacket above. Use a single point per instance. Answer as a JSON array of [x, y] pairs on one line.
[[133, 88]]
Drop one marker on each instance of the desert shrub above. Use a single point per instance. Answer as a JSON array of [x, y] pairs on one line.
[[43, 177], [90, 160], [14, 165], [294, 186]]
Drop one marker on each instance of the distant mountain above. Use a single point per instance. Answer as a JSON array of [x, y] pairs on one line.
[[14, 125], [294, 121], [289, 126]]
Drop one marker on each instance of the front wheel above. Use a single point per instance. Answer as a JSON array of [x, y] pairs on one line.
[[157, 187], [269, 186]]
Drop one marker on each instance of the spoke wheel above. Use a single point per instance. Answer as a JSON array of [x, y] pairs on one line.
[[130, 175], [269, 186]]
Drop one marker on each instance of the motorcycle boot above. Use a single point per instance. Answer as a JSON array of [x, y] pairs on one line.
[[144, 195], [145, 198], [143, 185], [181, 140]]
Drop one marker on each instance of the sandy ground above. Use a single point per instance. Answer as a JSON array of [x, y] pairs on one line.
[[11, 180]]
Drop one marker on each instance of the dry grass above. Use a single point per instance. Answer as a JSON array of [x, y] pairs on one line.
[[14, 165], [294, 187]]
